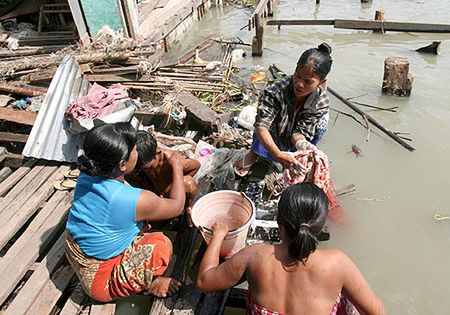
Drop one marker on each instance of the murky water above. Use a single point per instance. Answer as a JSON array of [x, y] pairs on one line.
[[391, 236]]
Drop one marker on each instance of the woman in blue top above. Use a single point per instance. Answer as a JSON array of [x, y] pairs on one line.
[[108, 244]]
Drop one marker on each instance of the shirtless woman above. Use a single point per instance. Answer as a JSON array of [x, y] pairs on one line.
[[293, 277]]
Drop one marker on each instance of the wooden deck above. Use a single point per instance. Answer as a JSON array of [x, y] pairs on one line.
[[35, 276]]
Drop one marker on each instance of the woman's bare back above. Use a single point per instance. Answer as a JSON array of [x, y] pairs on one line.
[[279, 284]]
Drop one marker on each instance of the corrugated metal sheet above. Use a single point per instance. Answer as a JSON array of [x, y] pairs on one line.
[[50, 138]]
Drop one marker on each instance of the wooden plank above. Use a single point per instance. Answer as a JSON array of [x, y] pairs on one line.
[[16, 269], [24, 182], [33, 237], [370, 25], [30, 291], [52, 291], [14, 160], [75, 302], [6, 185], [300, 22], [13, 137], [4, 173], [103, 309], [17, 116], [392, 26], [183, 247], [22, 211]]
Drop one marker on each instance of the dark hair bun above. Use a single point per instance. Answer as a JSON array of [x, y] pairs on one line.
[[325, 48], [86, 165]]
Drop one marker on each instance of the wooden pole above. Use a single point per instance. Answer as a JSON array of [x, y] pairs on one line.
[[257, 41], [22, 89], [379, 16], [397, 80], [371, 120]]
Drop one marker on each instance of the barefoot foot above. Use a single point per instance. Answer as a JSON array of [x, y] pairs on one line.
[[163, 287]]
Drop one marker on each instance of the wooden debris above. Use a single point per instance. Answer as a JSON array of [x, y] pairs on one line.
[[433, 48], [13, 137], [370, 25], [199, 112], [397, 80], [22, 89], [372, 120], [17, 116], [4, 173]]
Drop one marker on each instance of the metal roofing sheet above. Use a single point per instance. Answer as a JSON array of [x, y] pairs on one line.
[[50, 138]]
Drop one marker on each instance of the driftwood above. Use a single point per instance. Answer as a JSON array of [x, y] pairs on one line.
[[372, 120], [433, 48], [22, 89]]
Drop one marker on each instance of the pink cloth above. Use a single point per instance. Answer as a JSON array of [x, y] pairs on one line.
[[313, 167], [98, 102]]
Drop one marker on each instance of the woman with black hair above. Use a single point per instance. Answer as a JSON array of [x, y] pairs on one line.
[[107, 244], [292, 112], [293, 277]]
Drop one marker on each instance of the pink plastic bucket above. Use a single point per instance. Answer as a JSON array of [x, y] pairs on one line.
[[234, 209]]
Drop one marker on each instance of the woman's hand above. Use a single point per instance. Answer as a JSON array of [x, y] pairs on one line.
[[219, 230], [286, 159], [176, 160]]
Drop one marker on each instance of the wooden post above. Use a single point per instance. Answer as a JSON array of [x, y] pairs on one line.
[[269, 8], [379, 16], [397, 80], [257, 41]]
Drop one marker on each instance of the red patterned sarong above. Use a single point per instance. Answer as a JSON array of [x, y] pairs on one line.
[[128, 273]]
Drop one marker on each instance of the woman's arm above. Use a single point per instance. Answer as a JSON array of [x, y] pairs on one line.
[[357, 289], [153, 208], [266, 139], [214, 277]]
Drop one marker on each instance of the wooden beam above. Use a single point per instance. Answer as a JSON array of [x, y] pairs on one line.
[[4, 173], [30, 291], [370, 25], [13, 137], [300, 22], [12, 180], [52, 291], [392, 26], [18, 116], [13, 271]]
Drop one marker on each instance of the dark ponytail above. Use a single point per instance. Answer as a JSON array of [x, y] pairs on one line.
[[302, 211], [319, 59], [104, 147]]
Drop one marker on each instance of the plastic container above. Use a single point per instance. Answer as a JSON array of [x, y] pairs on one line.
[[230, 207]]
